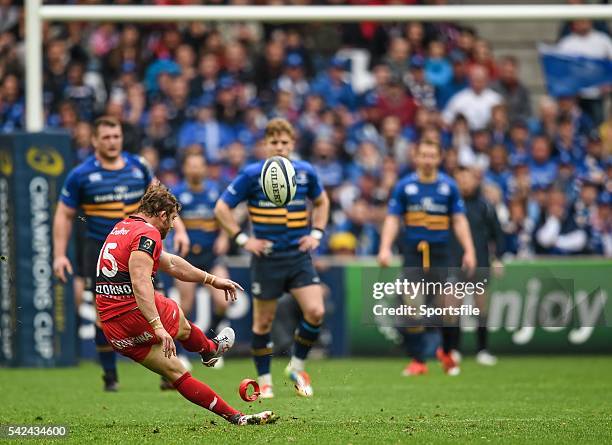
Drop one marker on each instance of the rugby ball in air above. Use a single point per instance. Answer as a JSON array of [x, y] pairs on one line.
[[278, 181]]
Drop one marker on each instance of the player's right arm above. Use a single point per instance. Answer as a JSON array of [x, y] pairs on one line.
[[235, 193], [62, 228], [179, 268], [141, 267], [391, 226], [62, 225], [390, 229]]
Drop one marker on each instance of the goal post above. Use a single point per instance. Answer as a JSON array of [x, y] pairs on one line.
[[36, 12]]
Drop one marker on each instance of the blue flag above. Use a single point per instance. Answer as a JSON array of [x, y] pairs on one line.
[[567, 74]]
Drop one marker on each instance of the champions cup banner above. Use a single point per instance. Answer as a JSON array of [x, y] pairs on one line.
[[36, 312]]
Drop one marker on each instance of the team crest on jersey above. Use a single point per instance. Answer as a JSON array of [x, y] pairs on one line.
[[213, 195], [256, 288], [95, 177], [137, 173], [301, 177], [411, 189], [120, 189], [444, 189], [186, 198]]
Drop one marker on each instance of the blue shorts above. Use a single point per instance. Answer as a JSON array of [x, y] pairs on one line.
[[280, 272], [204, 260], [417, 256]]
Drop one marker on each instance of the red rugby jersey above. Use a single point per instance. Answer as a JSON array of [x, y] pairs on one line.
[[114, 294]]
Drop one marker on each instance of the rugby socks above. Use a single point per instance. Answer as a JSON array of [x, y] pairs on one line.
[[297, 364], [306, 335], [197, 341], [107, 357], [447, 340], [482, 337], [201, 394], [450, 338], [414, 342], [262, 352]]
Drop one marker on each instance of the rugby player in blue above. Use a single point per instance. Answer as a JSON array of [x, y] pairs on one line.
[[281, 262], [197, 196], [426, 204], [107, 186]]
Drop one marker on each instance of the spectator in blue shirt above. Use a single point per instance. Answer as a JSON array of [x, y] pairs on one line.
[[206, 131], [326, 163], [366, 127], [458, 82], [543, 169], [333, 87], [545, 122], [567, 141], [566, 176], [12, 107], [81, 95], [294, 79], [582, 122], [229, 109], [438, 70], [205, 82], [595, 162], [498, 172], [421, 90], [251, 130]]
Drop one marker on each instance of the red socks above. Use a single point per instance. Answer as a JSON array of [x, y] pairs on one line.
[[197, 341], [201, 394]]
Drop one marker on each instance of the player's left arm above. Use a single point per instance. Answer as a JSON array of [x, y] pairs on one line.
[[320, 216], [180, 269], [461, 228]]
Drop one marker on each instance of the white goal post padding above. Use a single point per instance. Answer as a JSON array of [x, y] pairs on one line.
[[36, 13]]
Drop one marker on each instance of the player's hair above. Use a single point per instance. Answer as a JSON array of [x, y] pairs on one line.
[[429, 142], [279, 125], [158, 199], [193, 152], [105, 121]]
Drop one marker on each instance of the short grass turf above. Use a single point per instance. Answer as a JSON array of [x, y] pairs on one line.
[[357, 401]]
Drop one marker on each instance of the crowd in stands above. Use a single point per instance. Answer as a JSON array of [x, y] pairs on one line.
[[360, 95]]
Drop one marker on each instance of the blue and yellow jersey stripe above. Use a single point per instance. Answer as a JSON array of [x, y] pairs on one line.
[[428, 221], [198, 212], [106, 196], [426, 208]]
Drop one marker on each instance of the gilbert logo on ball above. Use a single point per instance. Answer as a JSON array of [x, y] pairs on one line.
[[278, 181], [243, 388]]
